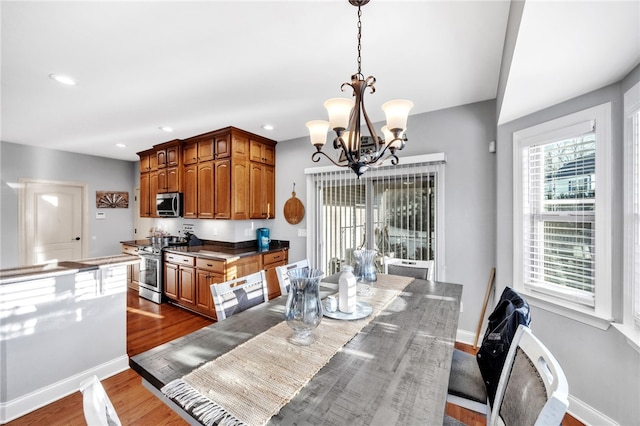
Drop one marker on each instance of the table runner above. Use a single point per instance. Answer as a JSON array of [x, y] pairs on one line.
[[252, 382]]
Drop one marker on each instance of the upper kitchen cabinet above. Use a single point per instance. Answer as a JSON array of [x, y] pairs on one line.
[[145, 160], [263, 151], [215, 172], [160, 172]]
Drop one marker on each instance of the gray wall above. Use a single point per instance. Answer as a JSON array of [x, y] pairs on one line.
[[603, 371], [463, 133], [101, 174]]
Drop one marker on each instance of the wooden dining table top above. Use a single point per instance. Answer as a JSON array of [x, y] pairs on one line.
[[395, 371]]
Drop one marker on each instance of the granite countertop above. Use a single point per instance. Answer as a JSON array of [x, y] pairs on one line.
[[212, 250], [53, 269]]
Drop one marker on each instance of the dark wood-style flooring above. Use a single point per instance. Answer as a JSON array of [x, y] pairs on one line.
[[149, 325]]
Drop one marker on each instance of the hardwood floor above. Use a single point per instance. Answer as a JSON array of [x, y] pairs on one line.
[[149, 325]]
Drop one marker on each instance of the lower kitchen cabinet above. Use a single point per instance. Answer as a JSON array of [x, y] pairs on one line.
[[187, 286], [133, 270], [270, 262], [188, 279], [179, 278]]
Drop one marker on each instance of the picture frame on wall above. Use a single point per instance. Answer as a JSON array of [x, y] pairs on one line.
[[112, 199]]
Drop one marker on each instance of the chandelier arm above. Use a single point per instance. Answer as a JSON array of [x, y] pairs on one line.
[[315, 157]]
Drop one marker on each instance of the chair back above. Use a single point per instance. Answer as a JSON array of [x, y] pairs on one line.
[[231, 297], [420, 269], [283, 278], [97, 407], [533, 388]]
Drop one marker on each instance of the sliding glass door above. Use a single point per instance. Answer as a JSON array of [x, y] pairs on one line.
[[393, 210]]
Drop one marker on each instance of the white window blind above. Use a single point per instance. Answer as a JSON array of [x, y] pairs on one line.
[[632, 203], [559, 215], [392, 209]]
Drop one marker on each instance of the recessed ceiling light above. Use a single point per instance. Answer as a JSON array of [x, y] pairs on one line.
[[166, 129], [267, 126], [121, 145], [64, 79]]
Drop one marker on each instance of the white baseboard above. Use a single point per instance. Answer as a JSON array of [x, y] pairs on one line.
[[467, 337], [578, 409], [587, 414], [39, 398]]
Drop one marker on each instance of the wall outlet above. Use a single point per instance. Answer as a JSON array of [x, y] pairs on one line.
[[187, 227], [302, 232]]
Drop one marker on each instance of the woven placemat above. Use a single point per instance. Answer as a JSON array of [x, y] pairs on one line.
[[251, 383]]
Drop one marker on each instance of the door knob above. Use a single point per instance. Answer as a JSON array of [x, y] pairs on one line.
[[77, 238]]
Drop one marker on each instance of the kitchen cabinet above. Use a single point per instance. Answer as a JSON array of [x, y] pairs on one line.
[[190, 193], [222, 191], [179, 279], [270, 261], [205, 195], [224, 174], [262, 187], [145, 199], [262, 152], [156, 179], [188, 279], [145, 161], [208, 272], [133, 270]]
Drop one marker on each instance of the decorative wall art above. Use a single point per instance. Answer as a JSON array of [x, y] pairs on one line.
[[112, 200]]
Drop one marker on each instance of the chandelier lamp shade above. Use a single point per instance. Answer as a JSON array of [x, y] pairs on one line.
[[357, 151]]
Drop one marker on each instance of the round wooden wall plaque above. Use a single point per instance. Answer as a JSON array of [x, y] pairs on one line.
[[293, 208]]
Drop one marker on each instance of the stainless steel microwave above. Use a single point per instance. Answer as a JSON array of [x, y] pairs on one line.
[[169, 204]]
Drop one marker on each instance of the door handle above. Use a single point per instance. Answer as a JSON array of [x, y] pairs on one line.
[[77, 238]]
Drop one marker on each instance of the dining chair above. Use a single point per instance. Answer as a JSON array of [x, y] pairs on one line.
[[97, 407], [473, 380], [420, 269], [283, 278], [232, 297], [533, 388]]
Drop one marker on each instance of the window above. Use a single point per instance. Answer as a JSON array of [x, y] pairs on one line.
[[561, 213], [397, 205], [632, 206]]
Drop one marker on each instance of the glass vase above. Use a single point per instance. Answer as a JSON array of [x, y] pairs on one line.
[[303, 311], [368, 275]]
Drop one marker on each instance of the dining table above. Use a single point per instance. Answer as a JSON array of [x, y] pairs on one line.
[[394, 370]]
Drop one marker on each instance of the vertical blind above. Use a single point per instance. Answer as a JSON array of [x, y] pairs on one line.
[[391, 209], [559, 232]]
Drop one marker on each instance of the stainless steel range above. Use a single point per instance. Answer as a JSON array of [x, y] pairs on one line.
[[151, 280], [151, 273]]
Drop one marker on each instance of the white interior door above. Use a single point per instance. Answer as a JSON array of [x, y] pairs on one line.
[[53, 222]]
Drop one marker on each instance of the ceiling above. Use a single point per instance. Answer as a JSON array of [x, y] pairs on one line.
[[200, 66]]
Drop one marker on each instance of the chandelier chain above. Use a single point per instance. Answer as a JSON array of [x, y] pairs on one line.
[[359, 40]]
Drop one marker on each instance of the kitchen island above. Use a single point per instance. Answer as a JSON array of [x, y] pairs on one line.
[[60, 323]]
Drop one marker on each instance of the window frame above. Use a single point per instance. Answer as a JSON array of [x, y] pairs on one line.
[[630, 325], [600, 315]]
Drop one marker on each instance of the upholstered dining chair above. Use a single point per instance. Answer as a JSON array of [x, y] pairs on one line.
[[97, 407], [283, 278], [421, 269], [473, 380], [533, 388], [232, 297]]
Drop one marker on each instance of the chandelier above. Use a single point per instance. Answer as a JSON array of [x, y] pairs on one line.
[[360, 152]]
